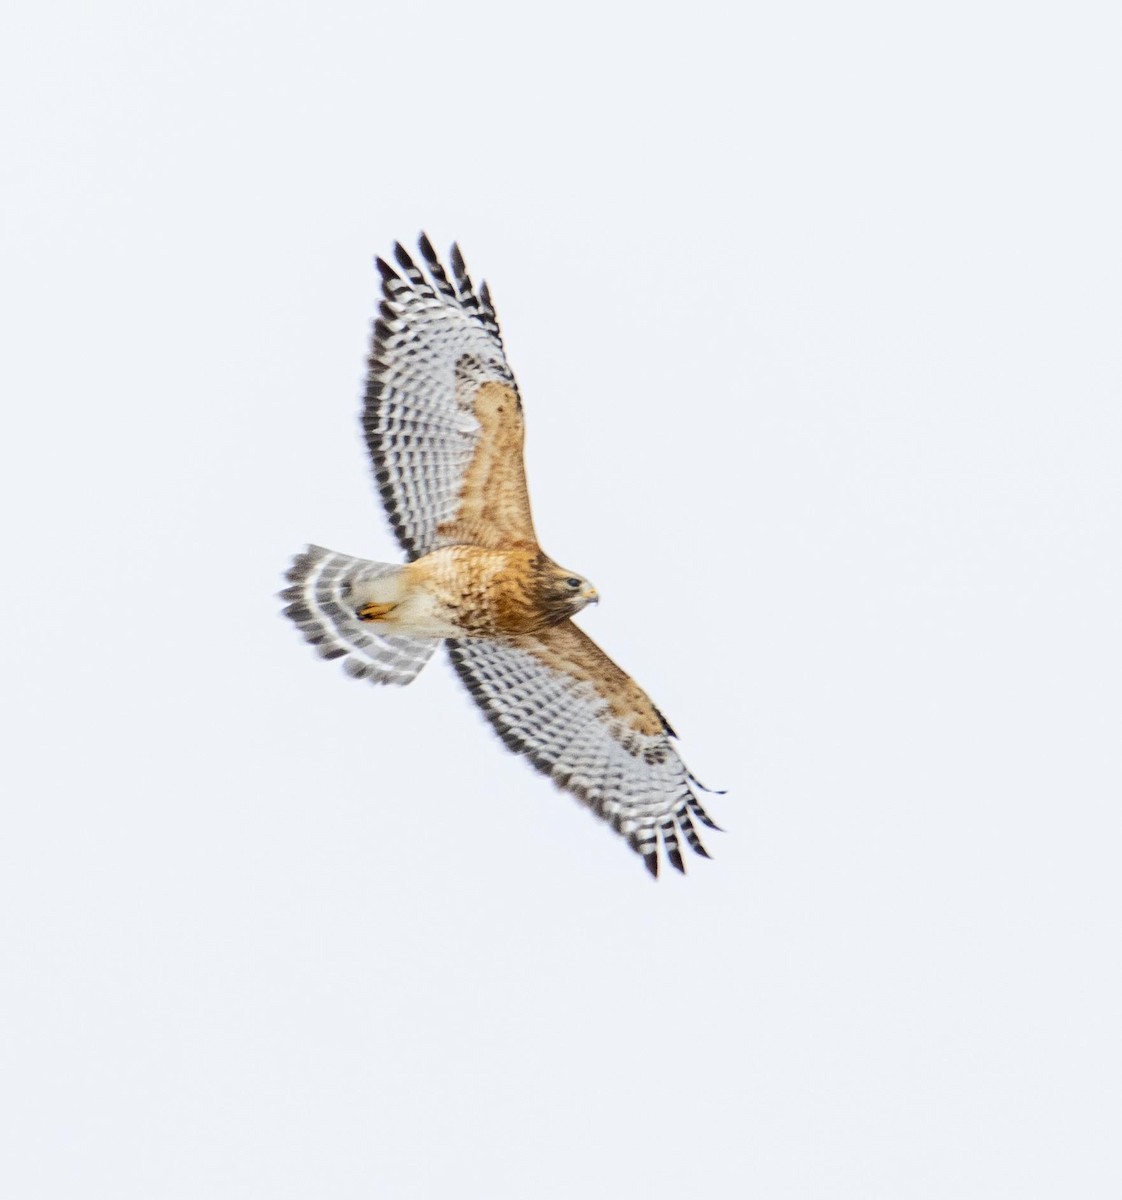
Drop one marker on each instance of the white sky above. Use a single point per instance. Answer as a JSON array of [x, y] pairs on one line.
[[815, 312]]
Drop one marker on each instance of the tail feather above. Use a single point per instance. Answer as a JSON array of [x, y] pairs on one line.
[[320, 606]]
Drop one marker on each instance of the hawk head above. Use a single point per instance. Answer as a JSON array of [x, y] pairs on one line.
[[563, 594]]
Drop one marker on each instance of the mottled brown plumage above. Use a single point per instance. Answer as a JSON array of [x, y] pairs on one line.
[[493, 507], [473, 591]]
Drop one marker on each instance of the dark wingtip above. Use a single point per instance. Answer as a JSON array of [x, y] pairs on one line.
[[425, 247], [667, 727], [712, 791], [651, 860], [402, 256], [457, 258], [385, 270], [675, 856]]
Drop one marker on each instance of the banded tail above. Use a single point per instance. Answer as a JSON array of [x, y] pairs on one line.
[[326, 590]]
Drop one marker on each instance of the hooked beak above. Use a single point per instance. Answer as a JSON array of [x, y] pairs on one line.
[[591, 596]]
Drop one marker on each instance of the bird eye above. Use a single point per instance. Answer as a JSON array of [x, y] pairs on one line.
[[573, 583]]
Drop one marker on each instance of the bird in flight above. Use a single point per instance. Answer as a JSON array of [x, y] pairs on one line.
[[443, 423]]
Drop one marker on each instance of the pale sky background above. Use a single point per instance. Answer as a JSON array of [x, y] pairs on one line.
[[815, 311]]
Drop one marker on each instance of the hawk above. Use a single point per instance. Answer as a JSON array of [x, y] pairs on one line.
[[443, 423]]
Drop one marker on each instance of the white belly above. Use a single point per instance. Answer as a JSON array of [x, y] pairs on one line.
[[420, 615]]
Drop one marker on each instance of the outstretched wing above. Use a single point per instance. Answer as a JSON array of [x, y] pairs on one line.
[[558, 699], [443, 419]]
